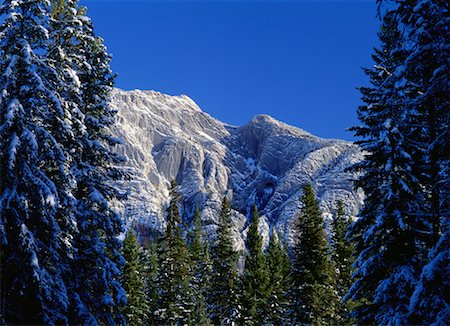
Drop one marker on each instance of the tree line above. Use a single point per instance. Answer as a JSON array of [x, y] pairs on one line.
[[61, 259], [184, 279]]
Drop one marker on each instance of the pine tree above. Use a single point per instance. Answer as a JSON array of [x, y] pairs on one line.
[[278, 269], [201, 270], [342, 256], [137, 309], [385, 233], [429, 303], [84, 66], [255, 279], [175, 296], [223, 299], [150, 269], [426, 35], [313, 290], [36, 217]]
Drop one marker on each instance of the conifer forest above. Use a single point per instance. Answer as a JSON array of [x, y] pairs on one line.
[[68, 255]]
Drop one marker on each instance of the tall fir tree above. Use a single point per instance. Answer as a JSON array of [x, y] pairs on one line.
[[342, 256], [36, 202], [426, 39], [84, 65], [175, 297], [150, 269], [430, 302], [201, 270], [385, 234], [224, 298], [255, 281], [278, 269], [137, 308], [313, 293]]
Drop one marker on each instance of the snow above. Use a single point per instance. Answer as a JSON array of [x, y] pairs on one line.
[[15, 142], [50, 200], [211, 159]]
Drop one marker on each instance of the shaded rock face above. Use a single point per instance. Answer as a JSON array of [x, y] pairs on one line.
[[264, 162]]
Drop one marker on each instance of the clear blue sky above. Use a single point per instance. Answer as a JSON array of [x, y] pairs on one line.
[[298, 61]]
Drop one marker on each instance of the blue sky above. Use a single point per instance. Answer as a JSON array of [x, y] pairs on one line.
[[298, 61]]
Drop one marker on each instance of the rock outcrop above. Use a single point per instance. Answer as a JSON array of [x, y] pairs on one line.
[[264, 162]]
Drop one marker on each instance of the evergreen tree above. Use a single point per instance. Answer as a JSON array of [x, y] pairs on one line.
[[430, 301], [313, 290], [201, 270], [424, 72], [149, 263], [84, 66], [137, 309], [255, 279], [36, 205], [342, 256], [175, 296], [385, 233], [224, 298], [278, 269]]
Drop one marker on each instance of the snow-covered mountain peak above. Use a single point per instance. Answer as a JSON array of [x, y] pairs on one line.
[[264, 161]]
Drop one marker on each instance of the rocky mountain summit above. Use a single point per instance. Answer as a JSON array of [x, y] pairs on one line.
[[264, 161]]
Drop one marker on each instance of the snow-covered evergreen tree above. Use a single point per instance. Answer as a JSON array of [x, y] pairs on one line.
[[87, 81], [137, 310], [255, 281], [201, 270], [149, 263], [426, 40], [430, 304], [278, 269], [36, 201], [313, 295], [223, 298], [342, 256], [385, 233], [175, 297]]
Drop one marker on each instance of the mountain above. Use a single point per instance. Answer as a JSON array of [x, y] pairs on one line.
[[264, 161]]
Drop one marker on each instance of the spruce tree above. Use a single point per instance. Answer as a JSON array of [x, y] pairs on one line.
[[199, 255], [175, 295], [36, 205], [224, 299], [342, 256], [385, 234], [87, 80], [429, 303], [278, 269], [255, 279], [313, 289], [149, 263], [426, 39], [137, 309]]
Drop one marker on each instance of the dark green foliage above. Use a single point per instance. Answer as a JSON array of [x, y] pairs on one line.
[[174, 305], [223, 299], [313, 293], [385, 233], [342, 256], [413, 214], [201, 270], [137, 308], [255, 279], [149, 263], [278, 269]]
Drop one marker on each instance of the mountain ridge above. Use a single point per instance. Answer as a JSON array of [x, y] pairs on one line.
[[264, 161]]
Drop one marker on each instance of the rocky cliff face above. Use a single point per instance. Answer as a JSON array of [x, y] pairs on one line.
[[264, 162]]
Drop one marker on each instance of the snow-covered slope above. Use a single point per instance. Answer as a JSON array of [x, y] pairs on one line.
[[264, 161]]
